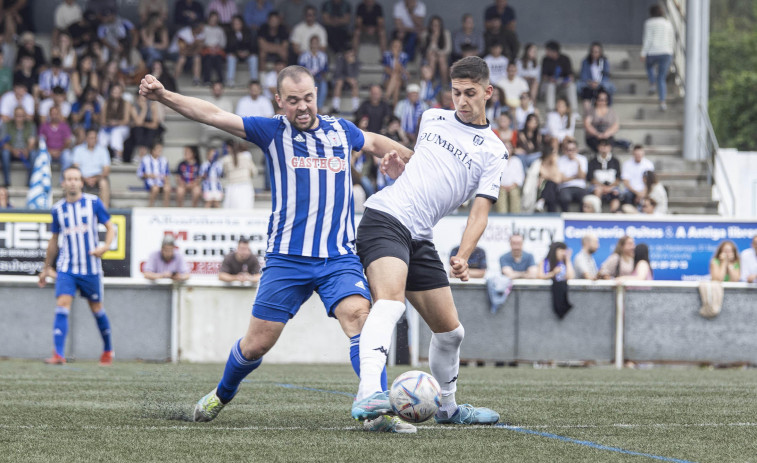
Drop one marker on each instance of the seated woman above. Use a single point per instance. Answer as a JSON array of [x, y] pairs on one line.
[[595, 76], [601, 123], [724, 265], [114, 123], [621, 262], [557, 266], [641, 268], [549, 179], [656, 191], [395, 71], [561, 122], [188, 177], [530, 144]]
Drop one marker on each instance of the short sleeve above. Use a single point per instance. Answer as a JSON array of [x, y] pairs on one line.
[[55, 228], [99, 208], [355, 135], [491, 178], [260, 130], [226, 264]]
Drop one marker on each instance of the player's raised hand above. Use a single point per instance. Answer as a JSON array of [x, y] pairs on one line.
[[151, 88], [459, 267], [392, 165]]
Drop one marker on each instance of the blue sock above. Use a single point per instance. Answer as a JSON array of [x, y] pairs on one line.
[[355, 359], [104, 325], [237, 368], [60, 330]]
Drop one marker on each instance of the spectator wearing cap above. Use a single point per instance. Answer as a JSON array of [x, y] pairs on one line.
[[166, 263], [409, 111], [53, 77], [240, 265], [30, 48]]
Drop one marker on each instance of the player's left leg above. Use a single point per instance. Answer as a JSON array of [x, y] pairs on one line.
[[91, 287]]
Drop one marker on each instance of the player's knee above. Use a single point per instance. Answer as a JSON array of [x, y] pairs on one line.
[[450, 339]]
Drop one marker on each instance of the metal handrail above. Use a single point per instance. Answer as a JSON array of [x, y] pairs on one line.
[[713, 157], [676, 13]]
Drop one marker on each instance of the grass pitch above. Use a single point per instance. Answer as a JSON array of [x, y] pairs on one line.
[[134, 412]]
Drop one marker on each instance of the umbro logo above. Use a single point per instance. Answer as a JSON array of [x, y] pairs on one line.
[[452, 380], [360, 285], [478, 140], [299, 138], [383, 350]]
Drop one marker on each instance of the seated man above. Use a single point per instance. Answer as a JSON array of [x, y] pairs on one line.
[[557, 72], [518, 263], [633, 176], [166, 263], [476, 262], [369, 22], [18, 139], [240, 265], [604, 176], [573, 167], [94, 162]]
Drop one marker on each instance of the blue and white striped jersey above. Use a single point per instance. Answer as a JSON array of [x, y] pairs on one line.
[[158, 167], [211, 173], [311, 184], [76, 225]]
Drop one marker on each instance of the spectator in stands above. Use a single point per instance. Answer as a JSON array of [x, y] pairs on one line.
[[153, 39], [336, 15], [510, 187], [657, 48], [395, 70], [188, 178], [58, 136], [518, 263], [513, 85], [468, 36], [147, 129], [409, 18], [26, 76], [436, 45], [273, 39], [268, 80], [84, 76], [591, 204], [53, 77], [525, 107], [395, 131], [187, 13], [158, 71], [114, 123], [501, 10], [647, 206], [217, 97], [375, 109], [213, 54], [315, 60], [254, 104], [503, 127], [621, 262], [239, 170], [604, 176], [240, 46], [601, 123], [5, 202], [303, 31], [58, 99], [409, 111], [530, 143], [497, 63], [28, 47], [476, 262], [226, 10], [530, 69], [187, 44], [6, 74], [166, 263], [19, 142], [557, 266], [256, 13], [573, 167], [445, 100], [66, 52], [85, 113], [94, 162], [292, 11], [240, 265], [67, 13], [633, 176], [211, 172], [642, 270], [346, 70], [655, 191], [156, 175], [496, 33], [148, 8], [429, 88], [584, 263], [369, 22], [115, 31], [557, 73], [561, 123], [550, 178], [749, 263], [496, 106], [84, 32], [595, 76], [724, 265]]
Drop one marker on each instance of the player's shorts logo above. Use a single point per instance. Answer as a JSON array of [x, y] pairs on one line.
[[478, 140]]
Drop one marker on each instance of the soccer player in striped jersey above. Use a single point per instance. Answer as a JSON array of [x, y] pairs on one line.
[[457, 157], [75, 243], [311, 229]]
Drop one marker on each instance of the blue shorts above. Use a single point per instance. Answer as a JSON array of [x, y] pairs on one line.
[[89, 286], [288, 281]]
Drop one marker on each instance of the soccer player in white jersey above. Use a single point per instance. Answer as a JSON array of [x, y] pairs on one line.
[[75, 243], [311, 230], [457, 156]]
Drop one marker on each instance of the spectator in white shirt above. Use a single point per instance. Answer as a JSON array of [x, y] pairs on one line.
[[513, 85], [749, 263], [561, 122], [254, 104], [19, 96], [409, 19], [633, 176], [66, 13], [573, 167], [530, 69], [510, 185], [497, 63], [301, 33]]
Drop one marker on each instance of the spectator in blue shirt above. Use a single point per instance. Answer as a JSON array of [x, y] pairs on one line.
[[517, 263], [476, 262]]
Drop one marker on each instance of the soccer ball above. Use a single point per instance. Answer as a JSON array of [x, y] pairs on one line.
[[415, 396]]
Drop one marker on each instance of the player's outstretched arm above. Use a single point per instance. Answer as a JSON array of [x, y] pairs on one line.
[[192, 108], [379, 145], [477, 220]]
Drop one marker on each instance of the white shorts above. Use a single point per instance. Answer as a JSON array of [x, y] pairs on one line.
[[212, 195]]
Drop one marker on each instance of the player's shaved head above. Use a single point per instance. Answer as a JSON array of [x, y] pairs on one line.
[[296, 73], [472, 68]]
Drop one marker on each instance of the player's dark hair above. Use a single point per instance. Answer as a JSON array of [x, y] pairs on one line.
[[470, 67], [295, 73]]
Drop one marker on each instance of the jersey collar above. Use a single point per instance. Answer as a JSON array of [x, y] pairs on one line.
[[475, 126]]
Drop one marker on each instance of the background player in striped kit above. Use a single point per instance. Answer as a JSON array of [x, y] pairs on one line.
[[75, 222], [311, 230]]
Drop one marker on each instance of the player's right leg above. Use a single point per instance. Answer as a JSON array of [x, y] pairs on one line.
[[65, 288]]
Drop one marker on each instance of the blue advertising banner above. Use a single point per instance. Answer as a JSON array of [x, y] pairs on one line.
[[680, 247]]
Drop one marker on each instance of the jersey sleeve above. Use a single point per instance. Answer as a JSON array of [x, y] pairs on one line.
[[55, 228], [491, 178], [99, 209], [260, 130], [357, 139]]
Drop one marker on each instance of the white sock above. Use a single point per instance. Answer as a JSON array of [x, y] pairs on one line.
[[337, 103], [355, 103], [444, 361], [375, 340]]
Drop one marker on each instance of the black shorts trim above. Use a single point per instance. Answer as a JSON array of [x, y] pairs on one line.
[[381, 235]]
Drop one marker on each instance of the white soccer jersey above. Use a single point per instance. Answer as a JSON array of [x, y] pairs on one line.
[[453, 161]]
